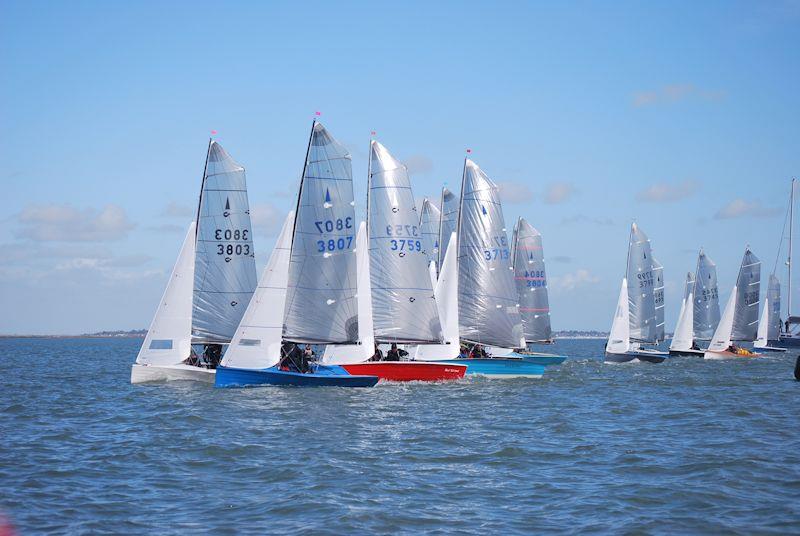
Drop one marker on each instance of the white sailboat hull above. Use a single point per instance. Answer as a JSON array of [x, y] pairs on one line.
[[168, 373]]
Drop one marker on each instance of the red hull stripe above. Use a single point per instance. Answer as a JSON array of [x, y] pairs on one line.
[[400, 371]]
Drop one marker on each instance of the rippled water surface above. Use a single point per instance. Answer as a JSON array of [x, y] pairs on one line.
[[686, 446]]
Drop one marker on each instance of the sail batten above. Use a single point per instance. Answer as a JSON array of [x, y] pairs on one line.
[[488, 312], [531, 282], [403, 303], [224, 271], [321, 305]]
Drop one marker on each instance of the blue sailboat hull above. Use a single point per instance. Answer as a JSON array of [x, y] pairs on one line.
[[322, 376], [543, 359], [501, 367]]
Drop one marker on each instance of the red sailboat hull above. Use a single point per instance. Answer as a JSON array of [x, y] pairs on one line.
[[408, 371]]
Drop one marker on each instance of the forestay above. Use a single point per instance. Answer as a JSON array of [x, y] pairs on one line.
[[429, 219], [448, 222], [225, 269], [641, 285], [257, 341], [706, 298], [745, 319], [531, 282], [321, 304], [403, 305], [487, 296], [169, 340]]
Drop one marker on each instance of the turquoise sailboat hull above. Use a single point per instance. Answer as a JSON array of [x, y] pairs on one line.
[[322, 376], [502, 367]]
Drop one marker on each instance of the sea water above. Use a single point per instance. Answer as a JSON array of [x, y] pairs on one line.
[[686, 446]]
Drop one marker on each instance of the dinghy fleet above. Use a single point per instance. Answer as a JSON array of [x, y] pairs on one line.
[[428, 293]]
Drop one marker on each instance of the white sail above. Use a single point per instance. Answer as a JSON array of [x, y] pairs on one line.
[[433, 276], [658, 294], [225, 266], [429, 219], [404, 309], [762, 335], [722, 335], [169, 339], [321, 305], [487, 294], [683, 339], [448, 223], [531, 281], [257, 341], [745, 319], [340, 354], [641, 285], [774, 296], [706, 298], [446, 292], [619, 338]]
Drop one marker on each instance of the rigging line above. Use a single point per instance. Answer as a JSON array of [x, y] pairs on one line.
[[783, 235]]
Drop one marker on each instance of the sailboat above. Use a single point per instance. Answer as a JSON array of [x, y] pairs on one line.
[[739, 322], [488, 314], [429, 219], [527, 258], [403, 309], [307, 292], [699, 315], [788, 336], [769, 323], [211, 282], [636, 319]]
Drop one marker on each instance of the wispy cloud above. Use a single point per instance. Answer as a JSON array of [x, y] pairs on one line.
[[584, 219], [559, 192], [571, 281], [418, 164], [665, 192], [674, 93], [64, 223], [515, 192], [739, 208], [266, 218], [176, 210]]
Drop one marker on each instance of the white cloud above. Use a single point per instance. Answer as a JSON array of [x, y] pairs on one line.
[[571, 281], [558, 192], [266, 218], [674, 93], [64, 223], [515, 192], [667, 192], [582, 218], [739, 208], [418, 163], [176, 210]]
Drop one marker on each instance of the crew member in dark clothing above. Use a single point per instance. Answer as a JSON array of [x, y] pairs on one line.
[[477, 352], [378, 355], [395, 353], [293, 359], [212, 354]]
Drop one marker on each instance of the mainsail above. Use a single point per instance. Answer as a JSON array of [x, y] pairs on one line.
[[321, 304], [487, 296], [706, 298], [689, 287], [403, 305], [448, 222], [641, 285], [225, 267], [658, 292], [429, 219], [531, 281], [169, 341], [774, 318], [745, 319]]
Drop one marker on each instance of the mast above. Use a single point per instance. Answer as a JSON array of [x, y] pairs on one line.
[[789, 260]]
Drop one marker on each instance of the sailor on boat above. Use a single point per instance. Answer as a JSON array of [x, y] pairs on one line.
[[395, 353]]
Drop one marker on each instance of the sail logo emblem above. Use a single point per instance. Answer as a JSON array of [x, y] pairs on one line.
[[483, 209], [227, 211], [234, 303], [327, 203]]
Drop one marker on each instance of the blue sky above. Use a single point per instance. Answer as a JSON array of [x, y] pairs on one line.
[[680, 115]]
